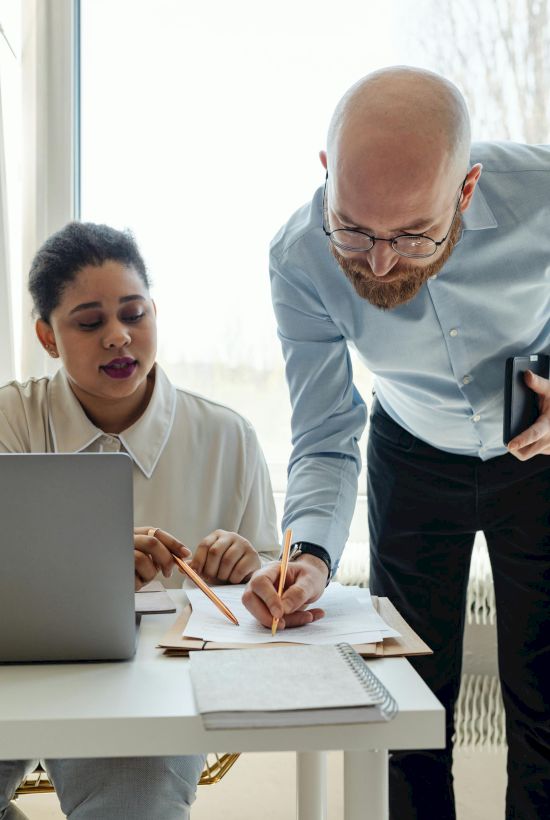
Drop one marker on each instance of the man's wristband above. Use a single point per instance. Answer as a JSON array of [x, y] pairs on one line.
[[305, 548]]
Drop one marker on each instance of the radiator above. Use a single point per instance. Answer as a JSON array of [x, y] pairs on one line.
[[480, 601], [479, 714]]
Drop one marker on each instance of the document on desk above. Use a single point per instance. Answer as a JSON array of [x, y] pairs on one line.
[[153, 599], [349, 616]]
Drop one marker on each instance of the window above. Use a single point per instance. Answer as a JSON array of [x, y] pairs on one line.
[[10, 182], [201, 126]]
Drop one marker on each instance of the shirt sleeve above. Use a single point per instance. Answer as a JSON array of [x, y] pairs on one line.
[[259, 519], [7, 436], [328, 413], [14, 421]]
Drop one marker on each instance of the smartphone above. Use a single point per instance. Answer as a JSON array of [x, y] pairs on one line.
[[521, 407]]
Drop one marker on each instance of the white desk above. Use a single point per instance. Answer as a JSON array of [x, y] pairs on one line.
[[146, 706]]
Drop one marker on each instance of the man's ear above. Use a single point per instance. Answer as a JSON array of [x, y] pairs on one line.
[[46, 337], [154, 306], [470, 185], [323, 158]]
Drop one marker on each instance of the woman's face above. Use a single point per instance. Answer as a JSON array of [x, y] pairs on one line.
[[104, 331]]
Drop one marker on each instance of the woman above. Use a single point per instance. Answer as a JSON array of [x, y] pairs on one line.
[[199, 473]]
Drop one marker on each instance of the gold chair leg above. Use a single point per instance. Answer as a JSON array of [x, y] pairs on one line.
[[213, 772], [38, 782]]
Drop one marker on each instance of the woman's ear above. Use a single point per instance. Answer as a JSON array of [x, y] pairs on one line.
[[46, 337]]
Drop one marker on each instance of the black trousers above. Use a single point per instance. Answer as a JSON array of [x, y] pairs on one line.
[[425, 506]]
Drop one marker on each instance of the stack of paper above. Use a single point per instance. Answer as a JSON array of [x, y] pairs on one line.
[[349, 616], [153, 599]]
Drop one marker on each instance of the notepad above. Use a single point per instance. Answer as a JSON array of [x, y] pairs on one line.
[[289, 686]]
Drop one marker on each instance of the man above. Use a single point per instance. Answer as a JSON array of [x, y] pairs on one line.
[[436, 273]]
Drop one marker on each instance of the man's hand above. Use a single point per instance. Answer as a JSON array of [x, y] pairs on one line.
[[153, 554], [536, 439], [305, 582], [225, 557]]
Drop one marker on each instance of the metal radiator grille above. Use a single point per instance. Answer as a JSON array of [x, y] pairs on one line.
[[479, 714]]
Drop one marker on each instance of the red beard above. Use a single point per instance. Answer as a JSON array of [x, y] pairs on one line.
[[386, 294]]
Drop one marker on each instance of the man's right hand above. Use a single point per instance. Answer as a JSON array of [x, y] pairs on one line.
[[305, 582]]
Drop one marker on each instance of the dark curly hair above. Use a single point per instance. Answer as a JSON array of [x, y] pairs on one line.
[[69, 250]]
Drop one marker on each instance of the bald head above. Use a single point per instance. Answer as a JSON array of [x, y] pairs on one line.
[[399, 123], [397, 157]]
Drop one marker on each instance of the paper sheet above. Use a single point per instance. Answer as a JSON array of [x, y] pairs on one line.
[[153, 598], [350, 616]]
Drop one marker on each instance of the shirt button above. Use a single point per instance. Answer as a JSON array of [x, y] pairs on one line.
[[476, 418], [466, 379], [453, 332]]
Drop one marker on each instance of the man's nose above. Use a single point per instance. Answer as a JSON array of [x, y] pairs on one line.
[[382, 258]]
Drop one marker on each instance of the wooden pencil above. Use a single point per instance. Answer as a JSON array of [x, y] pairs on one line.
[[282, 576]]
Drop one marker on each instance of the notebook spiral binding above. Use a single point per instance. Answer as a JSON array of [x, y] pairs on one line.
[[386, 703]]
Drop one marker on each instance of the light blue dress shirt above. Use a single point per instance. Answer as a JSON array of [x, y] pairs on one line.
[[438, 361]]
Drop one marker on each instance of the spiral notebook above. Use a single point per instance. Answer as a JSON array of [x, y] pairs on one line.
[[290, 686]]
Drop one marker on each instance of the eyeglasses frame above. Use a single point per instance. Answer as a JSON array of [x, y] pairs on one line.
[[393, 239]]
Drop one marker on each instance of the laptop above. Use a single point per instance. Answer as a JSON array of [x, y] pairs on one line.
[[66, 557]]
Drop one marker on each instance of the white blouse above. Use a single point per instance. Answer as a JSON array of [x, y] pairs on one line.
[[198, 465]]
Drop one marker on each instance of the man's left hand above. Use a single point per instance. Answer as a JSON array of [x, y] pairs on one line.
[[536, 439]]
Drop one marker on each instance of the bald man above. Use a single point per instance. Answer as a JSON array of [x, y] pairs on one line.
[[432, 258]]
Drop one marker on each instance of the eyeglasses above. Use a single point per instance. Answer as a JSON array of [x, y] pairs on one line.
[[414, 246]]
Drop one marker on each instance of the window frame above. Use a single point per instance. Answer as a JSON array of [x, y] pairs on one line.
[[50, 67]]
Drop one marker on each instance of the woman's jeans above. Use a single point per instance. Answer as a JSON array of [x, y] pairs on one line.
[[126, 788]]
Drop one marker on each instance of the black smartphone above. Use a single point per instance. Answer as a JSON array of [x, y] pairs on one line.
[[521, 407]]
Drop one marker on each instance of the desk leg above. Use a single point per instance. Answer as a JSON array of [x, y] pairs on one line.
[[366, 785], [311, 785]]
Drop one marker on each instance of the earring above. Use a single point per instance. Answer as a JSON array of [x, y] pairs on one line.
[[53, 353]]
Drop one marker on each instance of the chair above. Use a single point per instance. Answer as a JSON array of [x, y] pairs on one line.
[[216, 766]]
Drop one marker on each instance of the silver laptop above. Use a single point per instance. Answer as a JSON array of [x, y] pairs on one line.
[[66, 557]]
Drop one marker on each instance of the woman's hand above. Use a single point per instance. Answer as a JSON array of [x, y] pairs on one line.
[[153, 553], [225, 557]]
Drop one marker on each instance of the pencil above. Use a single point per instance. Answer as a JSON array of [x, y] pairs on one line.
[[186, 570], [282, 576]]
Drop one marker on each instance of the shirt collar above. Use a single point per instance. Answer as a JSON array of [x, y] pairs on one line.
[[478, 216], [72, 430], [144, 441]]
